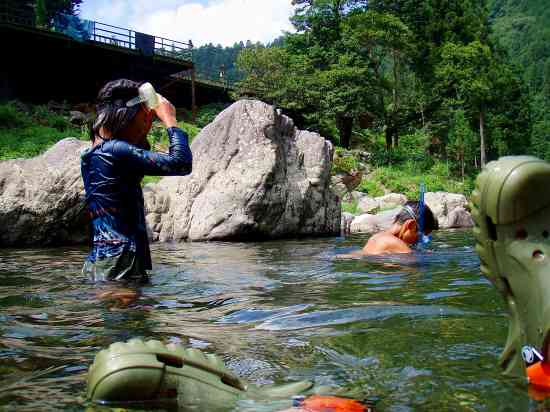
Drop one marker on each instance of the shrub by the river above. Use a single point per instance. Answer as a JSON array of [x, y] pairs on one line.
[[399, 179], [29, 131], [403, 170]]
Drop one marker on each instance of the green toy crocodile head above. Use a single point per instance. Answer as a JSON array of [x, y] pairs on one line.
[[155, 374], [511, 211]]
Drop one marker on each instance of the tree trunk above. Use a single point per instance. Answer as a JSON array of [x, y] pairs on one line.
[[483, 159], [395, 138], [345, 127], [423, 120], [389, 138]]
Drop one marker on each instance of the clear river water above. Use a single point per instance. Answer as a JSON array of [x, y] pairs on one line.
[[420, 333]]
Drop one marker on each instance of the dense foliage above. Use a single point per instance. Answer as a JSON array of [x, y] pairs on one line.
[[523, 28], [219, 63], [397, 68], [26, 131], [47, 9]]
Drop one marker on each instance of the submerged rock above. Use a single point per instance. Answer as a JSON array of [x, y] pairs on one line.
[[254, 176], [42, 199]]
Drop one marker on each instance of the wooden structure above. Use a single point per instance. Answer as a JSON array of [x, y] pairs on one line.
[[42, 64]]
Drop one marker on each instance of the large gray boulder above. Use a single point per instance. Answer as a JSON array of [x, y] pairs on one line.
[[42, 199], [459, 218], [369, 223], [390, 201], [367, 204], [443, 205], [255, 176]]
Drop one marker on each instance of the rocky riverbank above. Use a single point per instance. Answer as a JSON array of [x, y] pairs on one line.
[[255, 176], [377, 213]]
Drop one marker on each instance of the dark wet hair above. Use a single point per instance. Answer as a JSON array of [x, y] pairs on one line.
[[112, 112], [411, 211]]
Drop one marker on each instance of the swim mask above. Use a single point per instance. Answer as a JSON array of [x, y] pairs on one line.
[[147, 95]]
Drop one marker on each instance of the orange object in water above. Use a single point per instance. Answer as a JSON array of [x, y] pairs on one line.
[[539, 375], [317, 403]]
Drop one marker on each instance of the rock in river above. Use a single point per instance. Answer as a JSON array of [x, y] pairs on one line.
[[42, 199], [255, 176]]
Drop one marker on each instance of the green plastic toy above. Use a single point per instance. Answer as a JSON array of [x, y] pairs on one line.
[[152, 372], [511, 211]]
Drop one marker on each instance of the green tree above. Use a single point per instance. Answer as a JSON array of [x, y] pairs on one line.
[[336, 66], [462, 141], [467, 70], [383, 44], [47, 9], [266, 71], [404, 64]]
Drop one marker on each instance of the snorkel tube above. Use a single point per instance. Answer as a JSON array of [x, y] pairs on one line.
[[423, 239]]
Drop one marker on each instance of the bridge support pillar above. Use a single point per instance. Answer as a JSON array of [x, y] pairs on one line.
[[193, 96]]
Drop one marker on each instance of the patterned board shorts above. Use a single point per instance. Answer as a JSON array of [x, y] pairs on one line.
[[122, 268]]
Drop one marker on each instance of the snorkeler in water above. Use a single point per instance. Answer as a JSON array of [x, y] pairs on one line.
[[413, 223]]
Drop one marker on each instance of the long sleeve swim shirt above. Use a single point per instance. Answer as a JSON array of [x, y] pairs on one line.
[[112, 172]]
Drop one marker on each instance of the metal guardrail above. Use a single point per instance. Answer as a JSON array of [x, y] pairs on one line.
[[126, 38], [212, 77]]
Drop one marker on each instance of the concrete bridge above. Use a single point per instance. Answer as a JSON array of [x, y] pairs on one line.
[[64, 63]]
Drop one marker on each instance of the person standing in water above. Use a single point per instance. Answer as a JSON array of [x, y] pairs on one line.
[[414, 221], [112, 170]]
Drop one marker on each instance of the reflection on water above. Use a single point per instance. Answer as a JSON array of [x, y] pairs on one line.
[[419, 332]]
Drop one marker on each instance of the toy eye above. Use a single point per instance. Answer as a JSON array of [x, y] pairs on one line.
[[521, 234], [537, 254]]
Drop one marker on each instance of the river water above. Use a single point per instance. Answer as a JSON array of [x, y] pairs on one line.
[[419, 333]]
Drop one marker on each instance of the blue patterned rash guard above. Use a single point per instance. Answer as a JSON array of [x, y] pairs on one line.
[[112, 172]]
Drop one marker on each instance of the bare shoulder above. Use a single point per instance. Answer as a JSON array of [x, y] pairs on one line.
[[384, 242]]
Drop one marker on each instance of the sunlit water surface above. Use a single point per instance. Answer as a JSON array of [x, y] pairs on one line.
[[421, 334]]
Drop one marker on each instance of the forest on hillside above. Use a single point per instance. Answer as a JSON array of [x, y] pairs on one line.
[[523, 30], [220, 63], [431, 74]]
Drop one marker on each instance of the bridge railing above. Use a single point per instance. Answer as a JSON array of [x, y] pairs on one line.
[[173, 48], [119, 36], [116, 36], [217, 78]]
